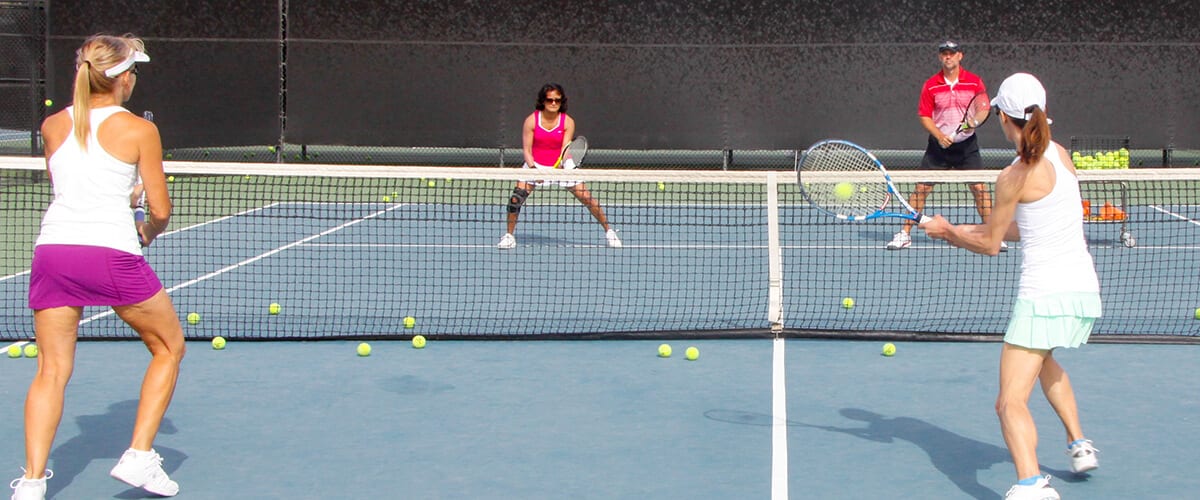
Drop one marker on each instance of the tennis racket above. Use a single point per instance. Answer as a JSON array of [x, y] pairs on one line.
[[572, 155], [846, 181], [976, 113], [139, 206]]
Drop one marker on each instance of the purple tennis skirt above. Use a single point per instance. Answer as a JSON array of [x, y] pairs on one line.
[[81, 275]]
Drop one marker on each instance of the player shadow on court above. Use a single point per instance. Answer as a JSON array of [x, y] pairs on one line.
[[550, 241], [103, 438], [958, 458]]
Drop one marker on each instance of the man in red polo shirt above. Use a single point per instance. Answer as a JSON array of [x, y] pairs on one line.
[[944, 100]]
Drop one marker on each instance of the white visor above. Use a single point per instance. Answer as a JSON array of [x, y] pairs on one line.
[[137, 57], [1017, 93]]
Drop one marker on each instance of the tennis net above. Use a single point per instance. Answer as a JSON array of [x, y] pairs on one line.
[[349, 251]]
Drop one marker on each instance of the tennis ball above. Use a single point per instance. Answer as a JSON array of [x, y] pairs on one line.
[[889, 349], [848, 303], [49, 102], [662, 186], [843, 190], [193, 318], [271, 148], [14, 351], [171, 178], [387, 199], [274, 308], [31, 350], [218, 343], [692, 353], [1198, 313], [664, 351], [418, 342], [410, 321], [364, 349], [432, 183]]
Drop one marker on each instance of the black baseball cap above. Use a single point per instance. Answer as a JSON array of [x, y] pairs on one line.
[[949, 45]]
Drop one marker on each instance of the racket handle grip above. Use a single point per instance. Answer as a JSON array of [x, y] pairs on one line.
[[922, 218], [139, 214]]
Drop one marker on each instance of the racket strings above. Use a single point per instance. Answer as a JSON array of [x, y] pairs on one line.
[[844, 180]]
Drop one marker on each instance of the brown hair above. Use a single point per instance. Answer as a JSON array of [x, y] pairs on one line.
[[1035, 134], [97, 54]]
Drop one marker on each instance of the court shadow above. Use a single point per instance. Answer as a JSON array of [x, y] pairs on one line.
[[958, 458], [410, 385], [104, 438]]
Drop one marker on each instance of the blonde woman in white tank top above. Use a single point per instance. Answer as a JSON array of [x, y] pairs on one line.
[[95, 151], [1037, 203]]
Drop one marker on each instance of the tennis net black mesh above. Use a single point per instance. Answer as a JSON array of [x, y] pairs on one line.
[[351, 250]]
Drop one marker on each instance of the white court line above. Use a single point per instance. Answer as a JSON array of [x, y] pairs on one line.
[[779, 452], [168, 233], [1175, 215], [18, 343], [254, 259]]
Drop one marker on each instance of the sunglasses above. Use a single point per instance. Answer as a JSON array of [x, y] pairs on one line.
[[555, 100]]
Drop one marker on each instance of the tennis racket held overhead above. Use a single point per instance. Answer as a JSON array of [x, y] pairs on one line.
[[572, 155], [845, 180]]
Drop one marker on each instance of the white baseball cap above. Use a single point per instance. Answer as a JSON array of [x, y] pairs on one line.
[[1018, 94], [136, 57]]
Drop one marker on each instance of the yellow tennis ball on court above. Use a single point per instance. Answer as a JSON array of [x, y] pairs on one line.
[[889, 349], [218, 342], [193, 318], [14, 351], [664, 350], [843, 190], [387, 199], [171, 178], [49, 102], [31, 350], [1198, 313], [410, 321], [432, 183], [692, 353], [848, 303], [364, 349], [662, 186], [418, 341], [274, 308]]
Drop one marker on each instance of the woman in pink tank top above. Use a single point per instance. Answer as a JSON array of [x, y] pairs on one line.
[[546, 133]]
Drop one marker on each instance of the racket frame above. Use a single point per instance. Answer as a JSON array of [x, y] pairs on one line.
[[577, 156], [834, 177]]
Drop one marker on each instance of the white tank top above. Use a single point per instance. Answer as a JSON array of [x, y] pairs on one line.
[[1055, 255], [91, 194]]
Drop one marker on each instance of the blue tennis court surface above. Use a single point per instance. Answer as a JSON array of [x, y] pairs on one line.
[[609, 419], [698, 269]]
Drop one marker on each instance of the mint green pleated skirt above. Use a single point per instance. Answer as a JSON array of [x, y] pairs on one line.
[[1059, 320]]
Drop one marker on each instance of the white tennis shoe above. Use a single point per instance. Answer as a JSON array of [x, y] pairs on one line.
[[900, 241], [1038, 491], [1083, 457], [30, 489], [143, 469], [614, 241], [507, 242]]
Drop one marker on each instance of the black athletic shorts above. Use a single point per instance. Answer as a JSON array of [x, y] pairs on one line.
[[959, 156]]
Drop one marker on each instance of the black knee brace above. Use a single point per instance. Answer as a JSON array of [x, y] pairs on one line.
[[518, 198]]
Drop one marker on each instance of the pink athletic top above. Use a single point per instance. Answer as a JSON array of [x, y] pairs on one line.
[[945, 104], [547, 144]]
